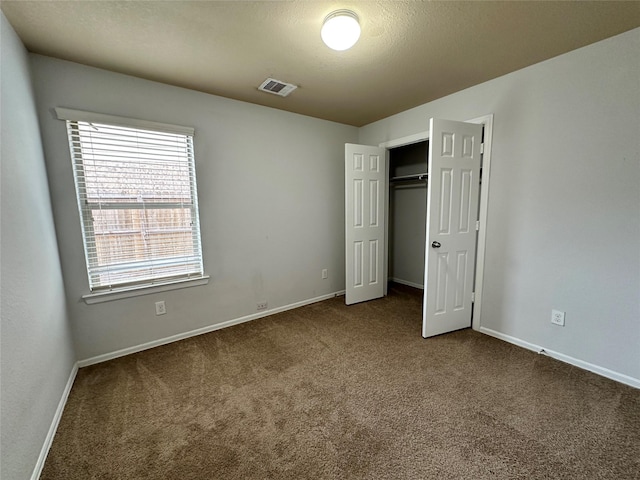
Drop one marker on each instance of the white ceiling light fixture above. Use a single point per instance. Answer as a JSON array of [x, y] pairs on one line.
[[341, 30]]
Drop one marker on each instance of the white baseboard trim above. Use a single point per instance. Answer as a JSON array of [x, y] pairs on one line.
[[405, 282], [54, 424], [605, 372], [199, 331]]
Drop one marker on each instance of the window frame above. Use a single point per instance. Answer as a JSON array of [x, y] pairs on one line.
[[100, 293]]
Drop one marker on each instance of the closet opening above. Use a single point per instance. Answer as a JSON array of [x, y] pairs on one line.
[[408, 165], [415, 215]]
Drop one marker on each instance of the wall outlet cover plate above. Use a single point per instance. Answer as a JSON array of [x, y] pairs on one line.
[[557, 317]]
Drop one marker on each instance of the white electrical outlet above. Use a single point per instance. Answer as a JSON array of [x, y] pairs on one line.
[[557, 317], [261, 306], [161, 308], [325, 273]]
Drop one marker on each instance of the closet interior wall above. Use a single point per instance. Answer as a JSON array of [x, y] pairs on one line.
[[407, 214]]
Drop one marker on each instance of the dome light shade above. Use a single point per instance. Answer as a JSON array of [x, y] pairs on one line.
[[340, 30]]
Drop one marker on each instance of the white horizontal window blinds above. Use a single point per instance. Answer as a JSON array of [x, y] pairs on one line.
[[137, 198]]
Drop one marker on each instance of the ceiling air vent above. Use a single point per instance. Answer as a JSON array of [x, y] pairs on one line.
[[271, 85]]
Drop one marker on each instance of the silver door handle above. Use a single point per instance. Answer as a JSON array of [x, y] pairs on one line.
[[435, 245]]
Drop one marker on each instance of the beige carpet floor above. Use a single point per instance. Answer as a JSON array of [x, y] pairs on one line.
[[334, 392]]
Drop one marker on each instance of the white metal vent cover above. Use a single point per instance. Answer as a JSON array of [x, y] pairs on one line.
[[271, 85]]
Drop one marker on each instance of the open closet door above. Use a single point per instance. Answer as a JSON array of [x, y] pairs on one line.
[[365, 228], [452, 212]]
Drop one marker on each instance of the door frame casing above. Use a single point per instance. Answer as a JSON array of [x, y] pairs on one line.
[[487, 122]]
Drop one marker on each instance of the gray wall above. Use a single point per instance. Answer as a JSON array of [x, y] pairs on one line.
[[271, 192], [563, 228], [37, 354]]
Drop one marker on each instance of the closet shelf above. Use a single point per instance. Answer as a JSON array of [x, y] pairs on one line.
[[409, 178]]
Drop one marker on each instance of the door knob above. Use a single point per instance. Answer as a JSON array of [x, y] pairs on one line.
[[435, 245]]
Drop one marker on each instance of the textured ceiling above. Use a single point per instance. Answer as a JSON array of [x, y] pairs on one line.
[[409, 52]]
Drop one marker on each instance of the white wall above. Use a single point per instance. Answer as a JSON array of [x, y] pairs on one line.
[[271, 192], [564, 203], [37, 355]]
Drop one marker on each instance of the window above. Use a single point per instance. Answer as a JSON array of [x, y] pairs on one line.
[[136, 189]]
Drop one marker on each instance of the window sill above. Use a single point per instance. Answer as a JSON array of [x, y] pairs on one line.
[[128, 292]]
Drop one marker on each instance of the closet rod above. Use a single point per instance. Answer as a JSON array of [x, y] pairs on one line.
[[407, 178]]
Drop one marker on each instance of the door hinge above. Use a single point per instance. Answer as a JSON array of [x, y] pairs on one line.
[[481, 148], [477, 225], [473, 297]]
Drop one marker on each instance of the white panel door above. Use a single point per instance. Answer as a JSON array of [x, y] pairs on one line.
[[365, 193], [452, 212]]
